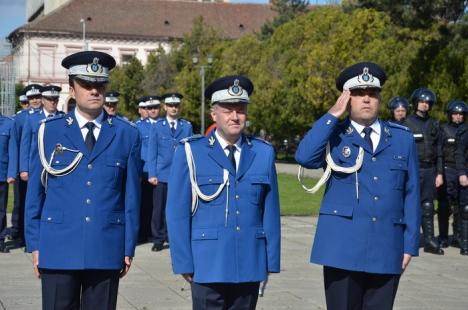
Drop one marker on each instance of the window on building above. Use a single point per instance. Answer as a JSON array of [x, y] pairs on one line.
[[126, 56], [46, 63]]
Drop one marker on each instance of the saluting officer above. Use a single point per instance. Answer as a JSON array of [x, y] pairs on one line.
[[461, 161], [448, 193], [165, 134], [83, 200], [16, 232], [8, 171], [398, 107], [368, 226], [151, 104], [223, 210], [427, 135], [49, 96]]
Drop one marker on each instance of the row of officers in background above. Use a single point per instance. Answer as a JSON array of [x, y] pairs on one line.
[[159, 136], [442, 154]]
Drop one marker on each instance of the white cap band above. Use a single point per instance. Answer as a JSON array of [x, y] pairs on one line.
[[172, 99], [51, 93], [112, 99], [225, 96], [23, 98], [93, 69], [33, 92], [358, 82]]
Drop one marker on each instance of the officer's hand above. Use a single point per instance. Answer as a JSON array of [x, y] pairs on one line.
[[24, 176], [188, 277], [463, 180], [406, 261], [341, 104], [35, 261], [126, 268], [10, 180], [153, 181], [439, 180]]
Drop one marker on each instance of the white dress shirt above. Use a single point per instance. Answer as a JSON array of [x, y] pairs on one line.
[[169, 120], [375, 134], [82, 122], [224, 144]]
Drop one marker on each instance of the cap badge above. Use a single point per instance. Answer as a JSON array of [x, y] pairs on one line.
[[349, 130], [235, 90], [211, 140], [346, 151], [95, 66], [174, 97], [69, 121]]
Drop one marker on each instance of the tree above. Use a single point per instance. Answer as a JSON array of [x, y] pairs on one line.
[[159, 72]]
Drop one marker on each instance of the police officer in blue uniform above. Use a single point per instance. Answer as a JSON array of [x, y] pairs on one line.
[[398, 107], [83, 200], [165, 134], [145, 104], [49, 95], [8, 171], [24, 102], [223, 210], [448, 193], [368, 226], [427, 135], [461, 163], [16, 232]]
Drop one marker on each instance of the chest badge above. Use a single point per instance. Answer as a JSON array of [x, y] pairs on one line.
[[346, 151]]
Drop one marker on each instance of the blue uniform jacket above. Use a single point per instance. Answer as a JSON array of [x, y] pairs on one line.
[[20, 119], [8, 149], [144, 126], [161, 146], [368, 232], [89, 218], [29, 133], [246, 246]]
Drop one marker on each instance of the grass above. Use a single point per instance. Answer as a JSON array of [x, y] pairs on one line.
[[294, 200]]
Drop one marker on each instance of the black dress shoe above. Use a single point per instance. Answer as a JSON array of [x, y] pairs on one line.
[[4, 248], [443, 243], [464, 251], [157, 247], [433, 247]]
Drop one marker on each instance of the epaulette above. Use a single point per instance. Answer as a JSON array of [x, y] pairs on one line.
[[257, 139], [123, 120], [191, 138], [395, 125], [184, 120], [20, 111], [31, 111], [50, 119]]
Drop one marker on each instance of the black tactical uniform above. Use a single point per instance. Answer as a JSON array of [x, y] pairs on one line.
[[395, 103], [448, 193], [426, 132], [461, 155]]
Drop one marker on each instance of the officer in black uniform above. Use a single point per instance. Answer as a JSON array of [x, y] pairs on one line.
[[461, 155], [398, 107], [426, 132], [447, 194]]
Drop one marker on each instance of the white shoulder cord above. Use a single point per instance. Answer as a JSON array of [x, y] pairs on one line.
[[196, 192], [47, 165], [331, 166]]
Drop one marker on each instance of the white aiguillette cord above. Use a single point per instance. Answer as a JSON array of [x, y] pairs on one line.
[[48, 169], [331, 166], [196, 192]]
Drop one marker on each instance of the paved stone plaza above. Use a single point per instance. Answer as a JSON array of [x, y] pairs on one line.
[[432, 282]]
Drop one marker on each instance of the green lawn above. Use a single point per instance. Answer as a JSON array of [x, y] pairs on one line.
[[294, 200]]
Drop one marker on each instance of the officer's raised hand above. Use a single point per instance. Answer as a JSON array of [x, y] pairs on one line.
[[341, 104]]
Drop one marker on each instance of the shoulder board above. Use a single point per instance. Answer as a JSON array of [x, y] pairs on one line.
[[50, 119], [20, 111], [394, 125], [192, 138], [123, 120], [184, 120], [138, 121], [258, 139], [31, 111]]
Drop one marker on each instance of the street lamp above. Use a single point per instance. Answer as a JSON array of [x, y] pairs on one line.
[[85, 45], [203, 67]]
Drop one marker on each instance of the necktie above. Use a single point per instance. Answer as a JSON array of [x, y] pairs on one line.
[[90, 140], [367, 133], [172, 127], [232, 150], [50, 115]]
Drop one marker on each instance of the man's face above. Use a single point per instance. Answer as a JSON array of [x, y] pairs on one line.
[[364, 105], [423, 106], [153, 111], [50, 104], [172, 110], [143, 112], [24, 104], [230, 119], [458, 117], [89, 96], [110, 107], [399, 113], [35, 101]]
